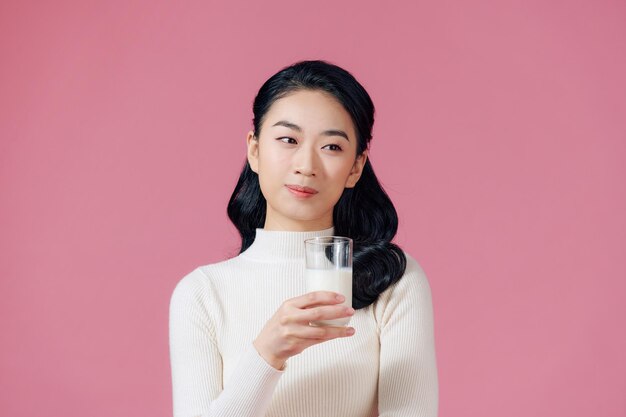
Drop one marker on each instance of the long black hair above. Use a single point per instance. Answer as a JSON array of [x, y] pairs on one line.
[[364, 213]]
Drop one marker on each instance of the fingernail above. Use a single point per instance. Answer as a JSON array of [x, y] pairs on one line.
[[350, 331], [340, 297]]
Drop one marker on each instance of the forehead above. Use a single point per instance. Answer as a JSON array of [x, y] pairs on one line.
[[312, 110]]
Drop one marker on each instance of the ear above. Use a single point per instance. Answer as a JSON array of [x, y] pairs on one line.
[[357, 170], [253, 151]]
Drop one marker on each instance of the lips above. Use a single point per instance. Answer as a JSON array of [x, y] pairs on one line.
[[301, 189]]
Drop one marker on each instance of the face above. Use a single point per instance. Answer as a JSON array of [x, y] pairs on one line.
[[307, 140]]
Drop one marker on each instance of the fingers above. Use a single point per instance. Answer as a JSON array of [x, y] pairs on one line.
[[323, 333], [317, 298], [299, 327], [288, 332], [322, 313]]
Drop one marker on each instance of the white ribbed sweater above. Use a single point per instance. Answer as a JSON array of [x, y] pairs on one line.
[[387, 368]]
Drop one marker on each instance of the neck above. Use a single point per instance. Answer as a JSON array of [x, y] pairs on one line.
[[281, 245], [276, 221]]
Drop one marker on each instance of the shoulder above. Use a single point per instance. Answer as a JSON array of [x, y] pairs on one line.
[[199, 284], [411, 292], [414, 273], [190, 288], [413, 279]]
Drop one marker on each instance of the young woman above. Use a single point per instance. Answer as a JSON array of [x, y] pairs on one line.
[[240, 339]]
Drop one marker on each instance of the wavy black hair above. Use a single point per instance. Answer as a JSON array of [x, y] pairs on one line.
[[364, 213]]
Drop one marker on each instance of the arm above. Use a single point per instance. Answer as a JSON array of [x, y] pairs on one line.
[[408, 381], [197, 365]]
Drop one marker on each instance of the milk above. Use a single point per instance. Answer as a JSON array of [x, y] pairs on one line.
[[336, 280]]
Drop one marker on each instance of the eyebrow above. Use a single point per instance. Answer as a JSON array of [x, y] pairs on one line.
[[331, 132]]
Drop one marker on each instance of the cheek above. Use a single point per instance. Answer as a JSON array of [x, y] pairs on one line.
[[273, 159], [268, 183], [270, 164], [340, 172], [271, 178]]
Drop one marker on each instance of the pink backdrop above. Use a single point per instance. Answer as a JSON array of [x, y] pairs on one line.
[[500, 136]]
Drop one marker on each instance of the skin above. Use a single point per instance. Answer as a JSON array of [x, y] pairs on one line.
[[328, 163]]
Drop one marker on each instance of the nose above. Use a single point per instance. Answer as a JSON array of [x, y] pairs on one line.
[[305, 161]]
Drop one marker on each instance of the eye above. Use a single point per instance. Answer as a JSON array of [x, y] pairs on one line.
[[288, 138], [336, 147]]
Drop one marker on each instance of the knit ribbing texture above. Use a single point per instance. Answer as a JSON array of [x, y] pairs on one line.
[[387, 368]]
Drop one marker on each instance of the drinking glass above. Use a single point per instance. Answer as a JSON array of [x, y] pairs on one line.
[[329, 268]]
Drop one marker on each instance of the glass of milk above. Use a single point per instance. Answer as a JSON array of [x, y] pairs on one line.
[[329, 268]]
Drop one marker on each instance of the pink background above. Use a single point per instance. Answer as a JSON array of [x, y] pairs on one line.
[[500, 136]]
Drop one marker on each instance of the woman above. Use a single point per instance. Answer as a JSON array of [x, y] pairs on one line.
[[240, 339]]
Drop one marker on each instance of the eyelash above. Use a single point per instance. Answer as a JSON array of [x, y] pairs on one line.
[[332, 144]]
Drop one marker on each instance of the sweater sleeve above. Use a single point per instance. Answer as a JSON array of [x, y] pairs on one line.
[[408, 381], [196, 363]]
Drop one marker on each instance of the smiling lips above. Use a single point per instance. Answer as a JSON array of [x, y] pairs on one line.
[[301, 191]]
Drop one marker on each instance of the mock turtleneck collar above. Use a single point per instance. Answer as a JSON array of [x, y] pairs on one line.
[[277, 245]]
